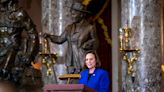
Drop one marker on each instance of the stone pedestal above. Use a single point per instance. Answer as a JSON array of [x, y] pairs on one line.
[[143, 16]]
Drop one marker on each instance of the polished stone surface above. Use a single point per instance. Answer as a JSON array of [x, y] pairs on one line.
[[143, 17]]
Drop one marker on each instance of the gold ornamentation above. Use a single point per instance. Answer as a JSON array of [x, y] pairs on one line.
[[48, 58], [86, 2], [129, 55], [105, 28], [101, 11], [69, 77], [162, 67], [100, 20]]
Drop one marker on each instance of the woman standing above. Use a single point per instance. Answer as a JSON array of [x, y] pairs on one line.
[[93, 76]]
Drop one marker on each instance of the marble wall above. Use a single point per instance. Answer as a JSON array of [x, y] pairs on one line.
[[162, 41], [143, 16]]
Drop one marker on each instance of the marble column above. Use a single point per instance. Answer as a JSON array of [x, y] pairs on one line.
[[55, 17], [143, 16]]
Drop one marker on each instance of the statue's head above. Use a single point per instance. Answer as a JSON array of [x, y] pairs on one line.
[[89, 8], [75, 11], [78, 11]]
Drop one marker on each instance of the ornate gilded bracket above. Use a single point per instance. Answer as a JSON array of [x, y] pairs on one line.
[[48, 58], [130, 55]]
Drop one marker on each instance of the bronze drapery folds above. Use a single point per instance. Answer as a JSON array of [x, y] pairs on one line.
[[18, 44]]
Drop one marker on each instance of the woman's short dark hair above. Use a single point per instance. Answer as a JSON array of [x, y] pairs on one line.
[[98, 63]]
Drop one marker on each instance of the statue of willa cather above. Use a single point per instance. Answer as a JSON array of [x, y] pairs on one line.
[[17, 51]]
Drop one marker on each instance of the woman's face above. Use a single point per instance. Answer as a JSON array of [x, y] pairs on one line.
[[90, 61]]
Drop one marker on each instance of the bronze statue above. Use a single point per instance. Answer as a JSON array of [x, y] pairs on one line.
[[18, 41], [81, 37]]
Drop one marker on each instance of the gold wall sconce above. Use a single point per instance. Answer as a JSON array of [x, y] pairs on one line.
[[129, 55], [48, 59]]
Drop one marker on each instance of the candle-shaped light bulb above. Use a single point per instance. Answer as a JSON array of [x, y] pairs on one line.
[[121, 38], [40, 38], [45, 46], [40, 43], [127, 31], [121, 42]]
